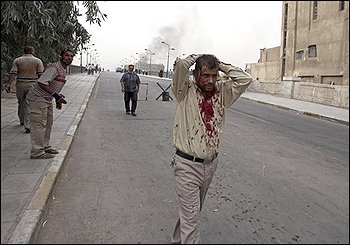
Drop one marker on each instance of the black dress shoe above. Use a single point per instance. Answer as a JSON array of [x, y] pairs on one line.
[[27, 131]]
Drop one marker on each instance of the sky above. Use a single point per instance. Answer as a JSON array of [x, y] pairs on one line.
[[233, 31]]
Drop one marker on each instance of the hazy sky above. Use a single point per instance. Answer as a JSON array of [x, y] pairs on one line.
[[234, 31]]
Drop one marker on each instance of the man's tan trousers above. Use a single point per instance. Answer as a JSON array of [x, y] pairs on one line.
[[23, 112], [41, 120], [192, 180]]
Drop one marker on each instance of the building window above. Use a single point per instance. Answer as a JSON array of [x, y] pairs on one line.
[[312, 51], [314, 10], [341, 5], [300, 55]]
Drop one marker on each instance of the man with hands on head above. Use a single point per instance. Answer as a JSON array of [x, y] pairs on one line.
[[40, 96], [198, 127]]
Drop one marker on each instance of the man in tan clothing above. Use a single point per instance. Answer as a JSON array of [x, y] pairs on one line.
[[40, 96], [27, 69], [198, 127]]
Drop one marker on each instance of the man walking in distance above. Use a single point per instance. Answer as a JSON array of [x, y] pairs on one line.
[[40, 98], [27, 68], [130, 84], [198, 127]]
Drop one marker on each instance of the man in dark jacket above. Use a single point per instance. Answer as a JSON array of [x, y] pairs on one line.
[[130, 84]]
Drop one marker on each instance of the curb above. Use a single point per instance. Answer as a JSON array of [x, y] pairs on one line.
[[32, 218], [302, 112]]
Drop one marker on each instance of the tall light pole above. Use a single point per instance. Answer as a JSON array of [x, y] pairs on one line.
[[134, 59], [81, 57], [92, 54], [150, 59], [87, 53], [140, 62], [167, 66]]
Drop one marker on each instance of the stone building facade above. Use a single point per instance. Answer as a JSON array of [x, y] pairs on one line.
[[312, 62]]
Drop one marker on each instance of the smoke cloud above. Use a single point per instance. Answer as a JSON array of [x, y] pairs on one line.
[[175, 35]]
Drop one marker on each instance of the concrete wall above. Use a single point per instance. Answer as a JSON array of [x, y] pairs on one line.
[[268, 66], [333, 95], [265, 71], [269, 55], [75, 69]]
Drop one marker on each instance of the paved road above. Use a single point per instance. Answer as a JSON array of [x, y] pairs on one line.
[[283, 177], [26, 184]]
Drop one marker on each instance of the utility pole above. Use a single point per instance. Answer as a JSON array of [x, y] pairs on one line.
[[167, 66], [150, 59], [81, 57], [87, 53]]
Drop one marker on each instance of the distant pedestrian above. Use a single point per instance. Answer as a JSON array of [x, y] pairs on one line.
[[91, 69], [130, 84], [27, 69], [40, 96], [198, 127], [160, 73]]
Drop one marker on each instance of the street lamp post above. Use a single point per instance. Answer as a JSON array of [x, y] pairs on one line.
[[140, 62], [87, 53], [91, 53], [81, 57], [150, 59], [167, 66], [134, 59]]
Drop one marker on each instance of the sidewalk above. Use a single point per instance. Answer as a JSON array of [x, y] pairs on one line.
[[26, 183], [312, 109]]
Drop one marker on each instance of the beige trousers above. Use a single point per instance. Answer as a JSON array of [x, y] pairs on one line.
[[192, 180], [41, 120], [23, 112]]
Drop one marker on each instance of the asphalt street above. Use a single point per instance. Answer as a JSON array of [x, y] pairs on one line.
[[282, 177]]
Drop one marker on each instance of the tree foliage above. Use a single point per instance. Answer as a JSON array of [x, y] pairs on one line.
[[48, 26]]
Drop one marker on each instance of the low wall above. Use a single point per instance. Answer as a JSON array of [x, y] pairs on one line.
[[332, 95], [75, 69], [266, 71]]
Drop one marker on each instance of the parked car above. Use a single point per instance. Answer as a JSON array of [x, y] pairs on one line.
[[118, 69]]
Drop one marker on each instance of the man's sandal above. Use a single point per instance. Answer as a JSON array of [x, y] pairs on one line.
[[51, 151], [43, 156]]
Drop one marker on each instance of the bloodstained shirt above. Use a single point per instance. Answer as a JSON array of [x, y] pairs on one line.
[[199, 122]]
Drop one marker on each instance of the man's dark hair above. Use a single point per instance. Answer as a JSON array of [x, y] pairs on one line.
[[131, 65], [28, 49], [207, 60], [66, 50]]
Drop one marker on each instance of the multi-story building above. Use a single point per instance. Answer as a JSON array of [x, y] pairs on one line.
[[312, 62], [315, 41]]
